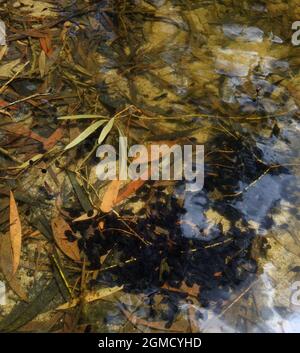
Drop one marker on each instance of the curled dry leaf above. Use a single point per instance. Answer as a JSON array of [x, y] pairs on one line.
[[70, 249]]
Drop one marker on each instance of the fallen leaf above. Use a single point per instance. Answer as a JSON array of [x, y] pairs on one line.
[[45, 43], [42, 325], [191, 291], [70, 249], [90, 297], [106, 130], [86, 133], [10, 250], [6, 256], [218, 274], [155, 325], [132, 187], [9, 69], [15, 233], [85, 216], [4, 104], [3, 51], [15, 285], [52, 139], [110, 196], [81, 116], [129, 190], [42, 63]]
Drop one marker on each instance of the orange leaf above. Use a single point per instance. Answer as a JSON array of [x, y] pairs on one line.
[[134, 185], [15, 233], [52, 139], [130, 189], [110, 196], [218, 274], [70, 249], [45, 43]]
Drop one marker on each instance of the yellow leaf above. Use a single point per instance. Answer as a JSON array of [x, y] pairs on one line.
[[90, 297], [42, 63]]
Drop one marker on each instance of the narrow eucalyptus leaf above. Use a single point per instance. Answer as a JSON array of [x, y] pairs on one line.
[[106, 130], [87, 132], [82, 116]]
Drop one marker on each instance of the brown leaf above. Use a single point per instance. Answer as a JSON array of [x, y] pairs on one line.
[[52, 140], [134, 185], [110, 196], [10, 250], [70, 249], [6, 256], [154, 325], [15, 285], [15, 233], [191, 291]]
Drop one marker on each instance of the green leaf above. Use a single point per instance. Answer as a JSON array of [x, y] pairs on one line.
[[87, 132], [82, 116], [80, 192], [106, 130]]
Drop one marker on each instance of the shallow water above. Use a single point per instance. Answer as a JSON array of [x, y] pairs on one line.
[[232, 62], [228, 70]]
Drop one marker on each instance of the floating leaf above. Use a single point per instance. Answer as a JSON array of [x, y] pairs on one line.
[[87, 132], [91, 297], [59, 228], [106, 130]]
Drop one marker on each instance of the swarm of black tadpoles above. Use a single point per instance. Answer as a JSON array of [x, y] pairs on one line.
[[148, 252]]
